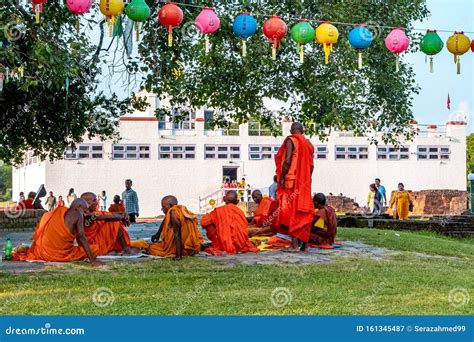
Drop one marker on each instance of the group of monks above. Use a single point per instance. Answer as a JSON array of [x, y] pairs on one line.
[[294, 215]]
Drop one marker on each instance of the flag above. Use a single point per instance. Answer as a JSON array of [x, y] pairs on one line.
[[449, 102]]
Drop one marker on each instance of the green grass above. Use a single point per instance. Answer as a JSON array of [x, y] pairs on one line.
[[404, 283]]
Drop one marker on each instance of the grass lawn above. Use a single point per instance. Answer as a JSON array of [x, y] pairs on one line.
[[404, 283]]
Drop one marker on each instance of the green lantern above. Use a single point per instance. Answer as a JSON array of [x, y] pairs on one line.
[[138, 11], [302, 33], [431, 44]]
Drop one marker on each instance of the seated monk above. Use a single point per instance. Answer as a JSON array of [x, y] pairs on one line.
[[54, 236], [106, 230], [264, 216], [227, 228], [178, 235], [324, 228], [27, 203], [117, 207]]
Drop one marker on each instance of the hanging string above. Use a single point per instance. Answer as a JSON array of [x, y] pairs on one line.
[[387, 27]]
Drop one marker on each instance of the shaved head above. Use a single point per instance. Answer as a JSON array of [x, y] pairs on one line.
[[231, 197], [167, 203], [257, 196], [91, 200], [297, 128], [79, 204]]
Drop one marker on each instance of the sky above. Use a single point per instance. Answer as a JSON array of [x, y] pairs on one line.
[[429, 106]]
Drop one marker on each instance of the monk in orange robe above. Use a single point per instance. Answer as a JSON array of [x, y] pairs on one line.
[[227, 228], [324, 229], [117, 206], [294, 168], [106, 230], [178, 235], [27, 203], [264, 215], [54, 236]]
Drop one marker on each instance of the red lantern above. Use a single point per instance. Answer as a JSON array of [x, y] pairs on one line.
[[275, 30], [472, 45], [170, 15], [38, 8]]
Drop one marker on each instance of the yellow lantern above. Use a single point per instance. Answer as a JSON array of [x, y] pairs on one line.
[[458, 44], [327, 35], [111, 9]]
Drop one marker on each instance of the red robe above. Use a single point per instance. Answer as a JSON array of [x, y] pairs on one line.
[[327, 234], [25, 204], [296, 205], [227, 229], [264, 214]]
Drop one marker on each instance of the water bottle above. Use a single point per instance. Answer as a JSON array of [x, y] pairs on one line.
[[8, 250]]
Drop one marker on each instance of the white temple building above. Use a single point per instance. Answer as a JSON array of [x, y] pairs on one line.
[[189, 161]]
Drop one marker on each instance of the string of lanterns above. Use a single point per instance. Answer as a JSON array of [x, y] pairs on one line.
[[274, 29]]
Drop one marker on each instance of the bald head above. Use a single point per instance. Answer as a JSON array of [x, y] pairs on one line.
[[257, 196], [79, 204], [231, 197], [167, 203], [91, 200], [297, 128]]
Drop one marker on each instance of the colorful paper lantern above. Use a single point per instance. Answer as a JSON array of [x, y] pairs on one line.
[[111, 9], [458, 44], [207, 22], [431, 45], [302, 33], [397, 42], [79, 7], [327, 35], [138, 11], [360, 39], [171, 16], [38, 8], [244, 26], [275, 29]]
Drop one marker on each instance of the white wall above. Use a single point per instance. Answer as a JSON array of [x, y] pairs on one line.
[[190, 179]]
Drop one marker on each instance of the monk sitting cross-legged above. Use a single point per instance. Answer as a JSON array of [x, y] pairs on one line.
[[264, 215], [178, 235], [227, 228], [106, 230], [54, 236], [324, 229]]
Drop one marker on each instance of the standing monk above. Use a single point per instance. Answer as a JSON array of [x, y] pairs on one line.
[[105, 229], [227, 228], [294, 168], [264, 215], [54, 236], [178, 235]]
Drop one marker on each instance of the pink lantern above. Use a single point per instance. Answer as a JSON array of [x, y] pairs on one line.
[[397, 42], [207, 22], [79, 7]]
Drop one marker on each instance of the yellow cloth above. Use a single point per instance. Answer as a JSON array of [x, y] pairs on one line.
[[371, 200], [402, 201], [320, 222]]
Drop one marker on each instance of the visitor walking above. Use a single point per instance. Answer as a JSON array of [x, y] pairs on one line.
[[382, 190], [374, 200], [22, 196], [272, 190], [130, 201], [401, 203], [70, 197], [103, 201], [51, 202], [60, 201]]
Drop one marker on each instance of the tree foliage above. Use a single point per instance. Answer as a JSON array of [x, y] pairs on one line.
[[470, 153], [5, 182], [57, 102]]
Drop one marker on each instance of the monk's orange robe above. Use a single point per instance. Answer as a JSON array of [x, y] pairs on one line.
[[53, 241], [324, 234], [191, 238], [264, 214], [117, 208], [25, 204], [296, 205], [227, 229], [104, 234]]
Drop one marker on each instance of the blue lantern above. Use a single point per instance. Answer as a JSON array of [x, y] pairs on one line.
[[244, 26], [360, 39]]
